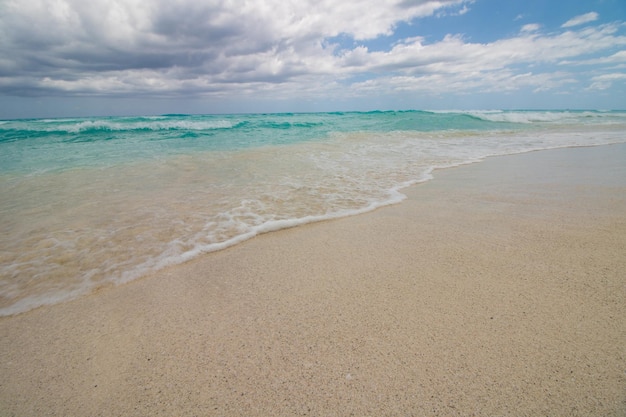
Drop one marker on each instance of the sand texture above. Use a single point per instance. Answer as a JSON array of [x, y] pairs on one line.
[[497, 289]]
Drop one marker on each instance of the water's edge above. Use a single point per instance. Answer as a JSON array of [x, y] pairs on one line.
[[396, 197]]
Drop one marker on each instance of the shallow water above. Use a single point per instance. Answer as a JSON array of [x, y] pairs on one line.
[[87, 202]]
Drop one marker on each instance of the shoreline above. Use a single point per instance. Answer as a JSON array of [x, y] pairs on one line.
[[396, 196], [495, 288]]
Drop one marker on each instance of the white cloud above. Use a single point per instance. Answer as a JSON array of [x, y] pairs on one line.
[[605, 81], [460, 12], [72, 44], [278, 47], [453, 66], [531, 27], [464, 10], [579, 20], [454, 55], [616, 58]]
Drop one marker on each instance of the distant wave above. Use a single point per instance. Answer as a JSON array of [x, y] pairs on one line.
[[158, 123], [542, 117], [152, 125], [315, 124]]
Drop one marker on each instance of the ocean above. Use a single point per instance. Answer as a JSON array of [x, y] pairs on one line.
[[89, 202]]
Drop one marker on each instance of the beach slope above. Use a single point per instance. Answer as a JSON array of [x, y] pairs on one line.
[[498, 288]]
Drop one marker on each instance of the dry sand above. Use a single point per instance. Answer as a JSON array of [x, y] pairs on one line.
[[498, 289]]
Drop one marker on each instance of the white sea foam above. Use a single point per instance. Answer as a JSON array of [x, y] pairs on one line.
[[527, 117], [154, 125], [118, 124], [533, 117]]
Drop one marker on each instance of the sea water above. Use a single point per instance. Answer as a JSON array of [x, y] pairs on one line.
[[87, 202]]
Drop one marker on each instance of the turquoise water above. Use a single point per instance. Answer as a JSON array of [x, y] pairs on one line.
[[91, 201], [56, 144]]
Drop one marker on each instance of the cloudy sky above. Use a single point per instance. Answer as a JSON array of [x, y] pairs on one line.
[[115, 57]]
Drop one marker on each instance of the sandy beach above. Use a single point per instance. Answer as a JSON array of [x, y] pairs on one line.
[[496, 289]]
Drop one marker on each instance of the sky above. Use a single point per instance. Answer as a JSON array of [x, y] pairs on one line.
[[61, 58]]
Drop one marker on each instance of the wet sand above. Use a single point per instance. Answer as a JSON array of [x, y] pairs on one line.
[[496, 289]]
